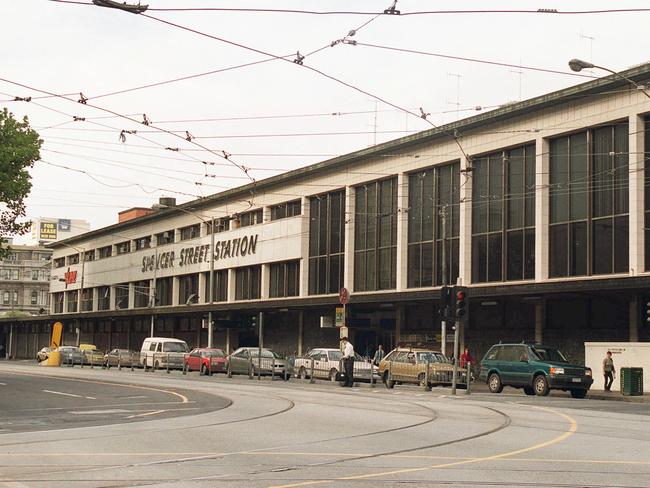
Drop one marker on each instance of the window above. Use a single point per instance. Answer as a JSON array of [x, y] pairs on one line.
[[73, 259], [248, 283], [57, 298], [89, 255], [45, 275], [87, 300], [103, 297], [433, 220], [35, 274], [284, 210], [220, 225], [105, 252], [375, 236], [589, 228], [141, 293], [42, 297], [72, 297], [166, 237], [121, 296], [190, 232], [164, 289], [220, 291], [503, 216], [284, 279], [326, 242], [143, 243], [250, 218], [58, 262], [188, 289], [123, 247]]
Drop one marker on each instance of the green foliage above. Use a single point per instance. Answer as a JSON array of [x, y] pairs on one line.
[[19, 149]]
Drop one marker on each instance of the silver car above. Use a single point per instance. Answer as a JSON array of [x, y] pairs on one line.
[[246, 360], [71, 355]]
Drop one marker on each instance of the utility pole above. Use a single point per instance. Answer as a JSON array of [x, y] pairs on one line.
[[153, 290], [443, 322], [212, 230]]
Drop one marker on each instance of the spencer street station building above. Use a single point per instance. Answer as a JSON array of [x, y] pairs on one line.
[[541, 208]]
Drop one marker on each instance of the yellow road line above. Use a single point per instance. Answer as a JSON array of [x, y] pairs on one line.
[[573, 426]]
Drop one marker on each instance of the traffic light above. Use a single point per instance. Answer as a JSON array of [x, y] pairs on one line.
[[254, 321], [461, 302], [446, 301], [647, 312]]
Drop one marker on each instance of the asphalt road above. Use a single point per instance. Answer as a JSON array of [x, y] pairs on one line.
[[296, 434]]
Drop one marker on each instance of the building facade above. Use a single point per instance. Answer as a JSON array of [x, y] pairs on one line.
[[541, 208]]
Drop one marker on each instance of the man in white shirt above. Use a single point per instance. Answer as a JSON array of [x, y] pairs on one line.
[[348, 361]]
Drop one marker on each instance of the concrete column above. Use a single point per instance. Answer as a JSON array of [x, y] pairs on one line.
[[402, 231], [266, 214], [539, 322], [231, 285], [304, 248], [176, 289], [542, 204], [204, 293], [634, 320], [348, 270], [131, 299], [265, 281], [301, 325], [465, 244], [113, 300], [636, 167]]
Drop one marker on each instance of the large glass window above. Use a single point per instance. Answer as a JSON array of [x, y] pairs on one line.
[[72, 297], [163, 238], [503, 215], [105, 252], [589, 227], [190, 232], [188, 289], [220, 291], [103, 297], [248, 283], [164, 291], [141, 293], [326, 242], [284, 279], [122, 296], [433, 221], [375, 235], [252, 217], [57, 299], [87, 300], [284, 210]]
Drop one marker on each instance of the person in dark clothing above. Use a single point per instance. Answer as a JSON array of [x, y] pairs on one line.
[[348, 361], [608, 371]]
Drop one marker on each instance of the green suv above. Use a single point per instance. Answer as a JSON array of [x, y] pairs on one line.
[[535, 368]]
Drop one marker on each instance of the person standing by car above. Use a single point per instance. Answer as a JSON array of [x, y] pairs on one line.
[[608, 371], [465, 358], [348, 361], [379, 355]]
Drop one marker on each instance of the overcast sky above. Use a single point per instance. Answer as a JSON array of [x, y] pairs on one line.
[[67, 49]]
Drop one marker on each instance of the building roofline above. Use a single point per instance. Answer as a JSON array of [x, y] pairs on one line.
[[637, 73]]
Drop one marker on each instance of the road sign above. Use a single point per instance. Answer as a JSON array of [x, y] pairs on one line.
[[344, 296], [343, 332], [340, 317]]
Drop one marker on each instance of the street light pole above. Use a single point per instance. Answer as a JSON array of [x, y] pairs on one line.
[[578, 65], [212, 230]]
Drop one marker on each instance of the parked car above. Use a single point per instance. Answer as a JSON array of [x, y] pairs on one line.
[[71, 355], [206, 360], [327, 363], [93, 356], [43, 354], [535, 368], [123, 357], [409, 365], [246, 360], [163, 352]]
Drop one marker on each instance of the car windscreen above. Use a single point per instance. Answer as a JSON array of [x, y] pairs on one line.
[[215, 354], [430, 357], [334, 355], [265, 354], [175, 347], [549, 354]]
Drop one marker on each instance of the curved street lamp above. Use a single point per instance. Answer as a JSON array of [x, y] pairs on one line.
[[578, 65]]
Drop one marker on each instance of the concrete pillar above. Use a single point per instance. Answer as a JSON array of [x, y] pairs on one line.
[[402, 231], [204, 293], [266, 214], [265, 281], [304, 248], [348, 269], [176, 289], [542, 203], [465, 244], [131, 299], [301, 325], [634, 320], [636, 167], [399, 320], [232, 286], [539, 322], [228, 348], [113, 298]]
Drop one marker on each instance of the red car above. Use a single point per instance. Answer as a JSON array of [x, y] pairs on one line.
[[206, 360]]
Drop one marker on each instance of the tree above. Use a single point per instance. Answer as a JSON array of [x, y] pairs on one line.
[[19, 149]]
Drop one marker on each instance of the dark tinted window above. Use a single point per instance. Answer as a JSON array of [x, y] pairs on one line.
[[492, 353]]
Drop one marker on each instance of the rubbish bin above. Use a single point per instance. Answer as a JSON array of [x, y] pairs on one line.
[[632, 381]]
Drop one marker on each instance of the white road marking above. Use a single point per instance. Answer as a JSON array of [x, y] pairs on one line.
[[155, 412], [64, 394], [98, 412], [91, 398], [3, 384], [15, 484], [134, 397]]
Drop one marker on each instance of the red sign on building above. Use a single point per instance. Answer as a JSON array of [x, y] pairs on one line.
[[70, 277]]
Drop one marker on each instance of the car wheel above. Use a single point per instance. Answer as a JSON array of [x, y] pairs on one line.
[[389, 381], [529, 390], [302, 374], [540, 384], [578, 393], [204, 370], [494, 383], [333, 375]]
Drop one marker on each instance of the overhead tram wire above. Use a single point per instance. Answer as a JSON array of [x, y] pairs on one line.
[[224, 156]]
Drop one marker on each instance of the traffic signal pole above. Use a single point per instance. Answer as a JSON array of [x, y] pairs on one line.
[[443, 322], [460, 304]]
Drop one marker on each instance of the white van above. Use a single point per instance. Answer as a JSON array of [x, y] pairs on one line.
[[159, 351]]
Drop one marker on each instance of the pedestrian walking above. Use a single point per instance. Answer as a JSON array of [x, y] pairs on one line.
[[465, 358], [348, 361], [609, 370], [379, 355]]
